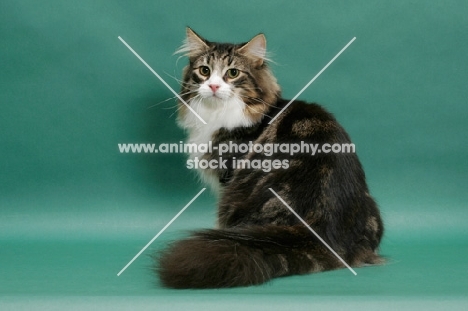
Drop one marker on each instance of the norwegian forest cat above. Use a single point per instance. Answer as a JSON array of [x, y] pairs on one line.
[[231, 87]]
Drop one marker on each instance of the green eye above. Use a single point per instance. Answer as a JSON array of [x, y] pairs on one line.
[[232, 73], [204, 71]]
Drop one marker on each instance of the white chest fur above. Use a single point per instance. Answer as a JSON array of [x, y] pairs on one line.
[[217, 114]]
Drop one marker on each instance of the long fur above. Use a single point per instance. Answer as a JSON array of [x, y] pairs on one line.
[[242, 257], [258, 238]]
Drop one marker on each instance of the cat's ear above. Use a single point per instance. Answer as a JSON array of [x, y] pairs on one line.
[[193, 45], [255, 49]]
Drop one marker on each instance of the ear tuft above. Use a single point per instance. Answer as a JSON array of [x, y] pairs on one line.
[[193, 44], [255, 49]]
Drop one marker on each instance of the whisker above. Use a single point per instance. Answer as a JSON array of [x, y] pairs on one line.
[[258, 100], [174, 77], [170, 98], [252, 88], [181, 82], [172, 107], [253, 107], [191, 102]]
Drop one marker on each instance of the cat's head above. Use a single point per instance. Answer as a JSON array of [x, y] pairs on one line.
[[229, 78]]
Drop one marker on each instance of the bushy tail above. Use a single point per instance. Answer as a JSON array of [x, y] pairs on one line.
[[242, 257]]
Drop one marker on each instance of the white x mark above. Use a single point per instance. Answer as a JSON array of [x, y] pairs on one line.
[[313, 231], [162, 80], [313, 79], [160, 232]]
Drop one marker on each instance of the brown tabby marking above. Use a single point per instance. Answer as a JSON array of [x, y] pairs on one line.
[[258, 238]]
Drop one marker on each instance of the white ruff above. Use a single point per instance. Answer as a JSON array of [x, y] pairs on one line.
[[217, 114]]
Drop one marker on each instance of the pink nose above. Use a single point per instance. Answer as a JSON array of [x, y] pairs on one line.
[[214, 87]]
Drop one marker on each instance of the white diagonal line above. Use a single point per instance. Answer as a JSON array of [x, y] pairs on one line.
[[162, 80], [312, 230], [313, 79], [159, 233]]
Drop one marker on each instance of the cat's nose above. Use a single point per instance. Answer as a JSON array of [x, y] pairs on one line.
[[214, 87]]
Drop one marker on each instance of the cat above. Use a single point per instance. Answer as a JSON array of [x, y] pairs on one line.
[[231, 87]]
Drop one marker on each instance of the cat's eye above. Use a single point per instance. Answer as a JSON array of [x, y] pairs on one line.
[[204, 71], [232, 73]]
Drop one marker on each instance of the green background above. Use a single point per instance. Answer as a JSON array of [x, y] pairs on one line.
[[74, 211]]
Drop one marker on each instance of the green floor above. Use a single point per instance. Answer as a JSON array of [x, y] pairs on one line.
[[54, 273], [74, 211]]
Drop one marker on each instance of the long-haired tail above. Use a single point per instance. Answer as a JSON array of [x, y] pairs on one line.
[[242, 257]]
